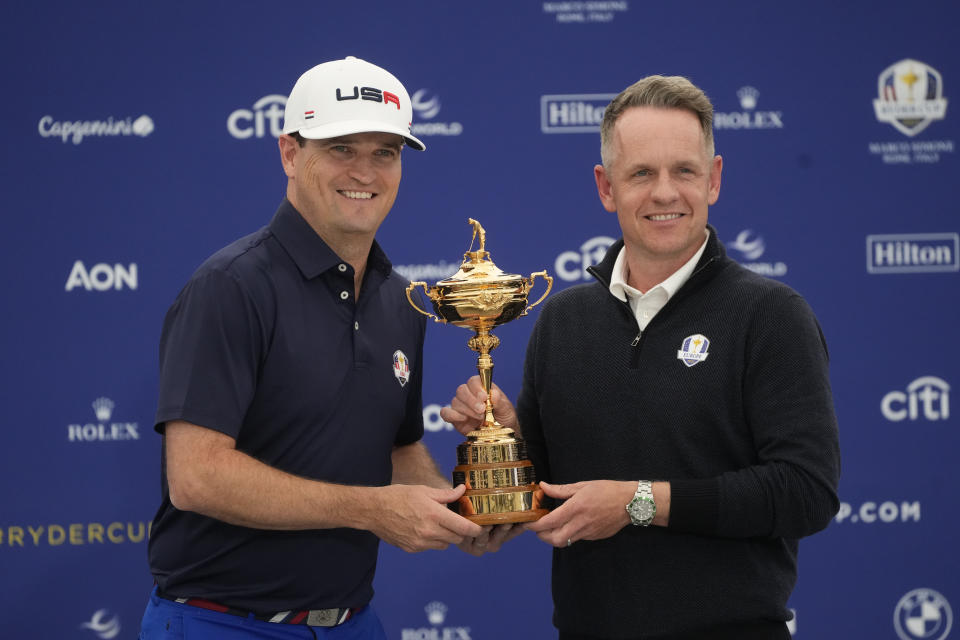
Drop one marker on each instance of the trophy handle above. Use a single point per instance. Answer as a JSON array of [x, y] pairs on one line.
[[411, 287], [533, 276]]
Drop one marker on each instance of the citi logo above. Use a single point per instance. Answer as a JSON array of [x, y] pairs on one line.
[[267, 112], [102, 277], [913, 253], [573, 113], [572, 265], [927, 397], [370, 93], [103, 429], [426, 105], [104, 628], [748, 118], [433, 422]]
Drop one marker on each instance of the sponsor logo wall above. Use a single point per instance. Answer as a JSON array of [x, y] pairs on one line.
[[132, 156]]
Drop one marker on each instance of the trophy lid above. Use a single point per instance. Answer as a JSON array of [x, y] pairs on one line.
[[477, 268]]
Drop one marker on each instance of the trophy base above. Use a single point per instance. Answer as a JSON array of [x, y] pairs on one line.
[[501, 484]]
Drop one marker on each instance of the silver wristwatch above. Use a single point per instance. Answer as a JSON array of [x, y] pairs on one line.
[[642, 508]]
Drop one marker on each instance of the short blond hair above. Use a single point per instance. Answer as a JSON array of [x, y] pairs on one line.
[[664, 92]]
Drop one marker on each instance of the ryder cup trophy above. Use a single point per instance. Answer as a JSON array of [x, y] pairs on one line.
[[492, 463]]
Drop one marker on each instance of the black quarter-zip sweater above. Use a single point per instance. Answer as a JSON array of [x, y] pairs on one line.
[[744, 431]]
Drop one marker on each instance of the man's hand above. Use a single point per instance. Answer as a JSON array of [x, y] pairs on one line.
[[593, 510], [416, 518], [467, 408], [492, 538]]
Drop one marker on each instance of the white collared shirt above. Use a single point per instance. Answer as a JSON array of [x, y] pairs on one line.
[[646, 305]]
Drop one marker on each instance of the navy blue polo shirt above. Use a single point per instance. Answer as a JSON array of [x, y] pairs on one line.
[[267, 344]]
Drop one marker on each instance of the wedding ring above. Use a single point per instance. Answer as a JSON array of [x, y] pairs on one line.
[[569, 542]]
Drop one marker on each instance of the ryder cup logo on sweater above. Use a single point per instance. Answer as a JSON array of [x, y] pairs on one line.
[[401, 367], [910, 96], [923, 614], [694, 349]]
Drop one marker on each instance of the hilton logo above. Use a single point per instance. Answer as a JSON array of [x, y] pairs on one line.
[[913, 253], [575, 113]]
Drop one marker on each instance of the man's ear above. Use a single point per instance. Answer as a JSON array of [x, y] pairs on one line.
[[288, 153], [604, 189]]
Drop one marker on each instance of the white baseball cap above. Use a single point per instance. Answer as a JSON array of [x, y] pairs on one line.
[[349, 96]]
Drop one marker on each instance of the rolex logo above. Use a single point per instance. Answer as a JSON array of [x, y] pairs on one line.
[[436, 612], [748, 97], [103, 408]]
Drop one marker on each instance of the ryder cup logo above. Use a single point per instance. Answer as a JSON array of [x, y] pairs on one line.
[[694, 349], [910, 96], [923, 614], [401, 367]]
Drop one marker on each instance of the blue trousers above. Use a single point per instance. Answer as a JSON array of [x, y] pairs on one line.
[[168, 620]]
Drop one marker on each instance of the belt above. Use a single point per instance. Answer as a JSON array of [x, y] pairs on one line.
[[311, 617]]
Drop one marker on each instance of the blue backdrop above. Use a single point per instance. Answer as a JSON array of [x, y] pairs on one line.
[[140, 137]]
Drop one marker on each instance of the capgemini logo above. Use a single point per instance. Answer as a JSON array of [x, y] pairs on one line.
[[106, 629]]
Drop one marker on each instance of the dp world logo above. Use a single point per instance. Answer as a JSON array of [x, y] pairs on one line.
[[910, 96], [923, 614], [572, 265], [426, 104], [103, 627]]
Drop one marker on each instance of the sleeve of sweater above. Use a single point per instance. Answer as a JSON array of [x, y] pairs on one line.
[[791, 491]]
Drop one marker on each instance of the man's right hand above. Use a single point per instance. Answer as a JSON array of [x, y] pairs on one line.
[[416, 518], [467, 408]]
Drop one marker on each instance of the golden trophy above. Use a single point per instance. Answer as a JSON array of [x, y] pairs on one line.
[[501, 484]]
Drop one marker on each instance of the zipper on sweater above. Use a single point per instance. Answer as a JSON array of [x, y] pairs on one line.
[[635, 351]]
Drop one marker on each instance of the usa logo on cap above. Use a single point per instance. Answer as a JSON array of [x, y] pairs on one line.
[[694, 349], [401, 367]]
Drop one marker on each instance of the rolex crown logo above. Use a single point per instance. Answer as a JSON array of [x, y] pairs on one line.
[[436, 612], [748, 97], [103, 408]]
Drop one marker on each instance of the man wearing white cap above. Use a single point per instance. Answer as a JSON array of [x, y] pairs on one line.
[[290, 395]]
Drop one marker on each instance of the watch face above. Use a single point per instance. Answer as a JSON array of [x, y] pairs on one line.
[[641, 510]]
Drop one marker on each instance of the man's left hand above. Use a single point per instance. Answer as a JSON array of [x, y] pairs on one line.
[[593, 510]]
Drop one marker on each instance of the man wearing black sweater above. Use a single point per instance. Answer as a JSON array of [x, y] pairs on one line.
[[678, 409]]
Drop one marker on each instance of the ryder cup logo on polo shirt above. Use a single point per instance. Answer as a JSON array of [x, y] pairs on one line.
[[694, 349], [401, 367], [923, 614]]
